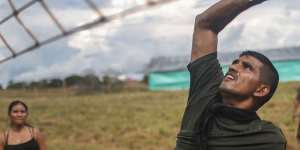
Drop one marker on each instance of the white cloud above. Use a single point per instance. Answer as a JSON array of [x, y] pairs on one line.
[[272, 29], [94, 40], [128, 44]]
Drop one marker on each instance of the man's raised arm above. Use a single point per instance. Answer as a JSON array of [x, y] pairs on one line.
[[209, 23]]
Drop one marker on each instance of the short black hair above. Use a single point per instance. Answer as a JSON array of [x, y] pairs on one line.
[[269, 74]]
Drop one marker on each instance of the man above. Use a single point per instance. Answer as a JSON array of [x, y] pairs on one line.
[[296, 106], [221, 111]]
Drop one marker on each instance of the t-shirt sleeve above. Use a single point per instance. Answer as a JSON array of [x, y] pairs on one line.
[[205, 77]]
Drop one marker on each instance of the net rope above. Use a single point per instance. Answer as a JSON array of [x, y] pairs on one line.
[[101, 19]]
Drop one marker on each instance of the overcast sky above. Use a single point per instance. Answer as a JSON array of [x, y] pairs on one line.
[[128, 44]]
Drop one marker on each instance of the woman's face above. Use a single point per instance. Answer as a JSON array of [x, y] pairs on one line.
[[18, 114]]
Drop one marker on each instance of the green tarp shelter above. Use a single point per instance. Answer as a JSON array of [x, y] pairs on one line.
[[175, 80], [170, 73]]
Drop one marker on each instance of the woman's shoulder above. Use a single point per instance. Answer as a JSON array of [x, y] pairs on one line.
[[3, 134], [36, 132]]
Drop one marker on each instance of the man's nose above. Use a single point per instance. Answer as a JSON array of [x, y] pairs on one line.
[[235, 67]]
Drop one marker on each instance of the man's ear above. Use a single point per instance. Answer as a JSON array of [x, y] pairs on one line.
[[262, 90]]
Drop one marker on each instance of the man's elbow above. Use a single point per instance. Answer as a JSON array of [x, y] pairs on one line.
[[202, 21], [205, 23]]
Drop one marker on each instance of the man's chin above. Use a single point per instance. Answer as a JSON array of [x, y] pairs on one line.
[[228, 92], [224, 87]]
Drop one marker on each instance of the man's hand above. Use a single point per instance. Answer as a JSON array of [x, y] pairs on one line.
[[212, 21]]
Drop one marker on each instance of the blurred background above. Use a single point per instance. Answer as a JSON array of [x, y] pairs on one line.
[[115, 78]]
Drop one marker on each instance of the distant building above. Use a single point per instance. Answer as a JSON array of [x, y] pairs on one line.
[[131, 77], [170, 73]]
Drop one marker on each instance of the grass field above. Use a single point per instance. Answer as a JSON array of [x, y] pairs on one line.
[[139, 120]]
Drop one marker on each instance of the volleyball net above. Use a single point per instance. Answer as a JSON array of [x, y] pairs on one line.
[[16, 12]]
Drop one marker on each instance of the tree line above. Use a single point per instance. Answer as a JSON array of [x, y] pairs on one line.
[[86, 82]]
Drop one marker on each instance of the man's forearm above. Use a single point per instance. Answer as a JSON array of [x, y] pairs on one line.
[[209, 23], [220, 14]]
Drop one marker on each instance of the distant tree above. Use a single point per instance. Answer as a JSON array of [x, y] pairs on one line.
[[38, 84], [33, 84], [107, 80], [72, 80], [1, 88], [55, 83], [111, 83], [16, 85], [90, 82], [43, 83], [10, 82], [145, 79]]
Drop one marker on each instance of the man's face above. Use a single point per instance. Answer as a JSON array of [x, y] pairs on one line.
[[243, 77]]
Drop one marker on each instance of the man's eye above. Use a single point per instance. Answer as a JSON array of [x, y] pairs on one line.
[[235, 62], [248, 67]]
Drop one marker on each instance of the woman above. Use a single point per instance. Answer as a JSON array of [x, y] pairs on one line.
[[21, 135]]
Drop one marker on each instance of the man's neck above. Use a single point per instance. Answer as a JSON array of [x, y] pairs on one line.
[[246, 104]]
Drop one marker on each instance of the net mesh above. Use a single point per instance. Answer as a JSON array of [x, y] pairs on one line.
[[18, 10]]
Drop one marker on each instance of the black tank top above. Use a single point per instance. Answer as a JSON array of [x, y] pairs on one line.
[[29, 145]]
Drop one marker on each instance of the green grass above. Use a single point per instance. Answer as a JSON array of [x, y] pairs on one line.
[[125, 120]]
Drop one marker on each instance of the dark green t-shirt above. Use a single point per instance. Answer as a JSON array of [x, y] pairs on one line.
[[208, 124]]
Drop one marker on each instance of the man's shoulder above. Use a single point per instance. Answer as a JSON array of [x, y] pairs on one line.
[[257, 134], [202, 61], [269, 126], [268, 129]]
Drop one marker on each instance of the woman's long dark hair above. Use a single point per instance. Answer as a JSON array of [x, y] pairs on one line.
[[17, 102]]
